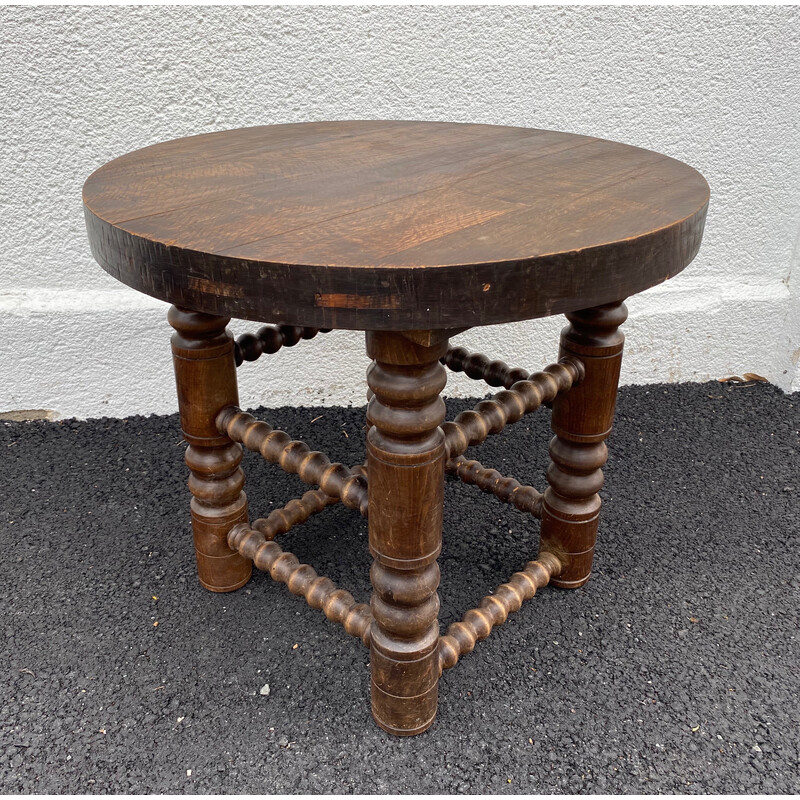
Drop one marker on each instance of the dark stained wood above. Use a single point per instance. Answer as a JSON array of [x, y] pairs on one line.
[[412, 232], [338, 605], [494, 609], [490, 416], [295, 457], [393, 225], [479, 367], [582, 421], [503, 487], [270, 339], [405, 468], [282, 520], [202, 351]]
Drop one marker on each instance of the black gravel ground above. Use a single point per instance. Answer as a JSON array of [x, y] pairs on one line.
[[674, 670]]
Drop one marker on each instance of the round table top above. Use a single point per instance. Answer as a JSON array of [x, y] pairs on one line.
[[393, 225]]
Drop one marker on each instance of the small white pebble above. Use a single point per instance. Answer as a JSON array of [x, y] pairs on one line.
[[264, 691], [188, 773]]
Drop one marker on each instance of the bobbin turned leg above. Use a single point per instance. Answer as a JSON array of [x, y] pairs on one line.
[[582, 419], [205, 374], [405, 462]]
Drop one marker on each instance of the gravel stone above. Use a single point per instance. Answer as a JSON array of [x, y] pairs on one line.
[[690, 619]]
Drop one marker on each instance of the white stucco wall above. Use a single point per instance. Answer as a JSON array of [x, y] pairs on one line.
[[717, 87]]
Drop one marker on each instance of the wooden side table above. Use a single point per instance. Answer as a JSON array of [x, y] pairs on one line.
[[412, 232]]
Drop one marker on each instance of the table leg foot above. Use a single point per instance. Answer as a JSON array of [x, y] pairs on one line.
[[582, 420], [405, 462], [205, 374]]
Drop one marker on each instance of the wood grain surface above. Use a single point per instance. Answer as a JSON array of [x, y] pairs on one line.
[[393, 225]]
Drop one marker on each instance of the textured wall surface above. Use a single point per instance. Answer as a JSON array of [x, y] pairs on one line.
[[717, 87]]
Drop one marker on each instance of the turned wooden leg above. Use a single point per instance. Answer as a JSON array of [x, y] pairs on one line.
[[205, 374], [405, 462], [582, 419]]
